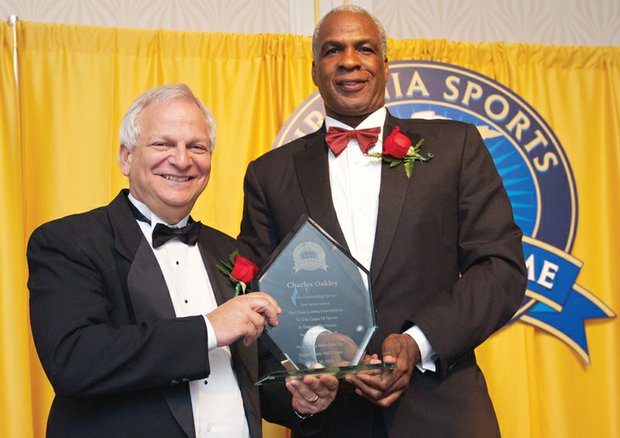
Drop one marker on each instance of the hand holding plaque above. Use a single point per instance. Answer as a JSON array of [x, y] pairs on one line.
[[327, 314]]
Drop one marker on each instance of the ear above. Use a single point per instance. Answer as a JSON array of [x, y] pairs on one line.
[[385, 68], [314, 73], [124, 158]]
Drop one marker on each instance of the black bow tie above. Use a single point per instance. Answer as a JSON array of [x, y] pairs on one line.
[[163, 233], [187, 234]]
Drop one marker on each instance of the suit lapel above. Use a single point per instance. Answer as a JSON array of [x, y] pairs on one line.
[[313, 171], [219, 283], [148, 294], [146, 285], [394, 184]]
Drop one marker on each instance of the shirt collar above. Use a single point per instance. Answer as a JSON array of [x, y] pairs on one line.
[[374, 120]]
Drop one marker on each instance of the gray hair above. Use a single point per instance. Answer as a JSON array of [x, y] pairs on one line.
[[130, 126], [354, 9]]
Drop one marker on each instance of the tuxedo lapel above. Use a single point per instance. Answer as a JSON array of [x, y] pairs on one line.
[[219, 283], [148, 294], [146, 285], [311, 165], [394, 184], [312, 170]]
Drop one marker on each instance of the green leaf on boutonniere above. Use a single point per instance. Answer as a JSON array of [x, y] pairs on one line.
[[397, 149], [408, 167], [391, 160]]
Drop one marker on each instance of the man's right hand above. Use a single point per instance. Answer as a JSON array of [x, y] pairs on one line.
[[384, 388], [244, 317]]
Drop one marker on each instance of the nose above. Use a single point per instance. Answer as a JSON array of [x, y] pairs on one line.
[[350, 58], [180, 156]]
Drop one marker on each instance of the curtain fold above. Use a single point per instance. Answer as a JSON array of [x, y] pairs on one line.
[[16, 416], [59, 156]]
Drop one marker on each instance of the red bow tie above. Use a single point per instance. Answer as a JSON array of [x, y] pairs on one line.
[[338, 138]]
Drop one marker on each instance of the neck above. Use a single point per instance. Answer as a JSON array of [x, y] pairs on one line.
[[350, 120], [171, 217]]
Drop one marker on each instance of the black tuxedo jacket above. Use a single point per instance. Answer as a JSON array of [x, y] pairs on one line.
[[106, 333], [447, 256]]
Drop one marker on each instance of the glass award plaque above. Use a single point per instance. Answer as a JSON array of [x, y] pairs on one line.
[[327, 316]]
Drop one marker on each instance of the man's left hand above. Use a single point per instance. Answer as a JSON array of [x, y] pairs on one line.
[[385, 387], [312, 394]]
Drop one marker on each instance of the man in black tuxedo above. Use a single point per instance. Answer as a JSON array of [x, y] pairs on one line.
[[138, 332], [442, 247]]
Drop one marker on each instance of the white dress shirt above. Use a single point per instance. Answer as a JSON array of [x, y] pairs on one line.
[[355, 181], [216, 401]]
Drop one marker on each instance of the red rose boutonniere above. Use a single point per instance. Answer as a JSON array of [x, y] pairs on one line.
[[239, 270], [397, 149]]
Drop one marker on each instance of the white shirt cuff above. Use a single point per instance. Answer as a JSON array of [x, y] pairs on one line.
[[211, 338], [427, 353]]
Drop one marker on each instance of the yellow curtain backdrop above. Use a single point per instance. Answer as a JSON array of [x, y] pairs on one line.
[[76, 82], [16, 415]]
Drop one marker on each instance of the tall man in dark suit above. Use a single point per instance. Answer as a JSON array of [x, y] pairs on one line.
[[442, 247], [138, 332]]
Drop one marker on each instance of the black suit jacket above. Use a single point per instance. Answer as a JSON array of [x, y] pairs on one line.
[[447, 256], [106, 333]]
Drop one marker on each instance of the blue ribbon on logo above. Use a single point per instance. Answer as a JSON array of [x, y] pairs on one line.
[[560, 306]]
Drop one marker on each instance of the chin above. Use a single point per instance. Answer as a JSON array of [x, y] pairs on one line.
[[180, 202]]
